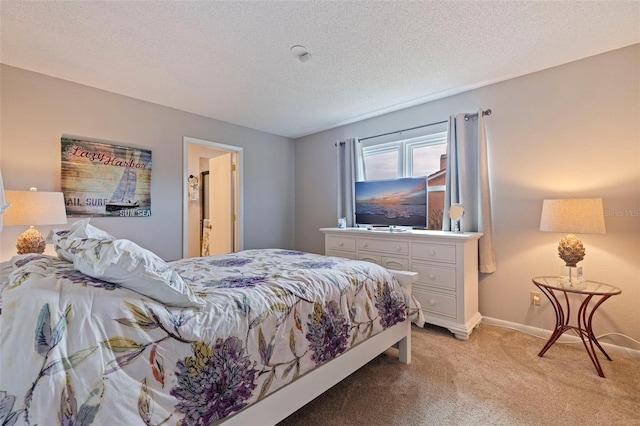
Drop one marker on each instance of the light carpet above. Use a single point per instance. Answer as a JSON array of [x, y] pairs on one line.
[[493, 378]]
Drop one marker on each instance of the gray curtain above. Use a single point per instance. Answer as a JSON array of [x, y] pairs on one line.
[[467, 182], [350, 170]]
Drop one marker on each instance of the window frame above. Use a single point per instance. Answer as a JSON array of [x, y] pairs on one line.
[[386, 148], [404, 148]]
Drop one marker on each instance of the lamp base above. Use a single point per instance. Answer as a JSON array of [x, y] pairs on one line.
[[571, 250], [571, 277], [31, 241]]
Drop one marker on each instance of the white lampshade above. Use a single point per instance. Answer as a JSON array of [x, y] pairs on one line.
[[34, 208], [29, 208], [576, 216], [580, 216]]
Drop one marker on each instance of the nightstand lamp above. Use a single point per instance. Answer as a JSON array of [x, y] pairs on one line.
[[32, 208], [580, 216]]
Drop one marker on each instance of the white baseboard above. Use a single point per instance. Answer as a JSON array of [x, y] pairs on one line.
[[565, 338]]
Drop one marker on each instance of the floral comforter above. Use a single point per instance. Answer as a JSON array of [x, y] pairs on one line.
[[75, 350]]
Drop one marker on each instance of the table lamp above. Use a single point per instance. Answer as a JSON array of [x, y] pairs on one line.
[[580, 216], [34, 208]]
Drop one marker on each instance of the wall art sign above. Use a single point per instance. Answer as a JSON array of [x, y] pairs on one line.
[[101, 179]]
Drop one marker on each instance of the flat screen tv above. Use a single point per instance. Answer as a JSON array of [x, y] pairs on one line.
[[397, 202]]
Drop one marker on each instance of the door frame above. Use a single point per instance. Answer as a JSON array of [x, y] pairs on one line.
[[239, 193]]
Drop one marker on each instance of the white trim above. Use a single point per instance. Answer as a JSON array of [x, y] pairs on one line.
[[3, 205], [545, 334], [439, 188], [186, 141]]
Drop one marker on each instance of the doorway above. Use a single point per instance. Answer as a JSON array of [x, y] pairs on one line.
[[216, 212]]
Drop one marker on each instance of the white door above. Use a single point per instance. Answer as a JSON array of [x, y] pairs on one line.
[[221, 211], [197, 153]]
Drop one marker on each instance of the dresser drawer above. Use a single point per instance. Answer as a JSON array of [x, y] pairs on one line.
[[342, 243], [437, 252], [369, 257], [437, 276], [389, 247], [395, 263], [385, 261], [346, 254], [436, 303]]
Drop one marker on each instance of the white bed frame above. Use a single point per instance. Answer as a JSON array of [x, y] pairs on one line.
[[285, 401]]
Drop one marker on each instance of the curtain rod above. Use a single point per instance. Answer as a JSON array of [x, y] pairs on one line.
[[466, 117]]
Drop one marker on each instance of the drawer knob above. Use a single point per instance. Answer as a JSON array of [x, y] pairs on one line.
[[432, 252], [432, 302], [398, 248], [432, 276], [364, 244], [341, 244]]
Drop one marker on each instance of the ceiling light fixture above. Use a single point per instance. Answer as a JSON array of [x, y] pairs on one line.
[[301, 53]]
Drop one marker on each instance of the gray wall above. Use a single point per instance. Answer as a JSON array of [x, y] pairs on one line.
[[37, 110], [568, 132]]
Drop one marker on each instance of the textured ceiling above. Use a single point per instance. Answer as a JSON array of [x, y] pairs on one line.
[[232, 60]]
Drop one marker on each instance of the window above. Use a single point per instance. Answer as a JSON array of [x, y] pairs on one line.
[[383, 162], [419, 156]]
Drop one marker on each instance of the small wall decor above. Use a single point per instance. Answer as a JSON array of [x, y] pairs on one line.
[[101, 179], [194, 188]]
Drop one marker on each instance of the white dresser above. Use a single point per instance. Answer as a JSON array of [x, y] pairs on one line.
[[446, 263]]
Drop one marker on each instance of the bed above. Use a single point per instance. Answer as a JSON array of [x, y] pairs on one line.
[[108, 333]]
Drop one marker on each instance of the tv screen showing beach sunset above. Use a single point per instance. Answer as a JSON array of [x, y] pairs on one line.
[[399, 202]]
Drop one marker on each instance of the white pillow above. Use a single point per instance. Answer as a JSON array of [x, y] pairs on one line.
[[60, 240], [83, 229], [66, 242], [125, 263]]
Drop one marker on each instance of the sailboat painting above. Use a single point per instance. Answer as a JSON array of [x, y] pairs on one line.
[[124, 197], [102, 179]]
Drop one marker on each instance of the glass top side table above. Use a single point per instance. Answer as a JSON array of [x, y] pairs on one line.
[[598, 292]]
